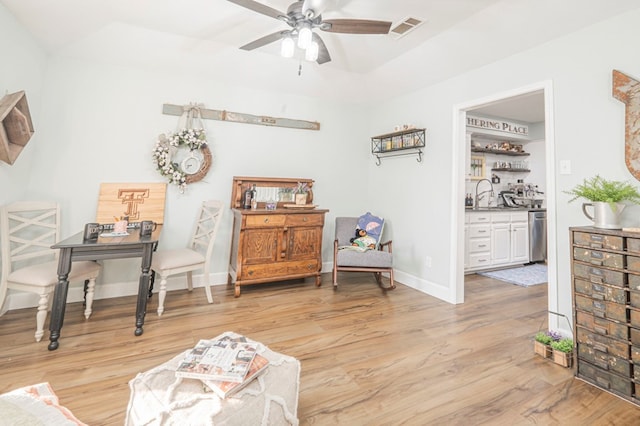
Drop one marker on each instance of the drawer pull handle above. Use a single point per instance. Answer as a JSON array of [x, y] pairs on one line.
[[595, 245], [266, 220], [601, 348], [597, 288], [482, 231], [597, 296], [596, 280], [482, 260], [596, 262], [599, 314], [482, 245], [601, 330]]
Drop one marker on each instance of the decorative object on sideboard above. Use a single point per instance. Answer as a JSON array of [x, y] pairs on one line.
[[16, 127], [627, 91], [606, 200], [300, 193]]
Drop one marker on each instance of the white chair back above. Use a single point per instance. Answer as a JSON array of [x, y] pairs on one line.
[[28, 229], [206, 227]]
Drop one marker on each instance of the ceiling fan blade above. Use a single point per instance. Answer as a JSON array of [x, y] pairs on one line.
[[260, 8], [357, 26], [323, 53], [263, 41]]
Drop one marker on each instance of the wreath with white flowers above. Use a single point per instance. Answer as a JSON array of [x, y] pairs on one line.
[[193, 140]]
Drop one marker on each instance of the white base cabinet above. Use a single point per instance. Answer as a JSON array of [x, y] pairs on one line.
[[495, 239]]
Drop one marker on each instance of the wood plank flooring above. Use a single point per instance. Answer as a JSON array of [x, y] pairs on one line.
[[368, 357]]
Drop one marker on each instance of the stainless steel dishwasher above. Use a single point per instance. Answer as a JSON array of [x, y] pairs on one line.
[[537, 236]]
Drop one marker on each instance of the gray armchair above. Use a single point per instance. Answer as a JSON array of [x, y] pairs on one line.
[[378, 260]]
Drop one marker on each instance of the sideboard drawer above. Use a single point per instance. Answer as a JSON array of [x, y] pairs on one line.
[[597, 241], [600, 291], [604, 361], [606, 380], [306, 220], [602, 309], [599, 258], [599, 275], [602, 326], [262, 220], [603, 344]]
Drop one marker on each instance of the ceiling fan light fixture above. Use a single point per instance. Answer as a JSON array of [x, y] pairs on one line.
[[287, 48], [311, 54], [305, 35]]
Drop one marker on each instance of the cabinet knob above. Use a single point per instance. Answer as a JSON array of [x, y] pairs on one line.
[[304, 219], [266, 220]]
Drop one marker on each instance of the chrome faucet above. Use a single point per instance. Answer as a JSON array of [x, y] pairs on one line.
[[480, 196]]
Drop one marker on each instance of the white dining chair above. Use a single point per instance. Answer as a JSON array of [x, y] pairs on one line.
[[194, 257], [28, 229]]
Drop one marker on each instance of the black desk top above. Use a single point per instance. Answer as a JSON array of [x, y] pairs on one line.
[[132, 239]]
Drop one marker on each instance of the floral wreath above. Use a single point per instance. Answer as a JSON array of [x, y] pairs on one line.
[[194, 139]]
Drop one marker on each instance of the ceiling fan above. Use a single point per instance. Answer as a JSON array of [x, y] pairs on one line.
[[303, 17]]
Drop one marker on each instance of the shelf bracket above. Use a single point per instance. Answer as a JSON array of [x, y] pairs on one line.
[[401, 154]]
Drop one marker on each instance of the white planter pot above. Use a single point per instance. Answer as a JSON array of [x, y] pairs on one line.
[[603, 215]]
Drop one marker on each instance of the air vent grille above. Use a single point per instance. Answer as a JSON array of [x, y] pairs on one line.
[[405, 27]]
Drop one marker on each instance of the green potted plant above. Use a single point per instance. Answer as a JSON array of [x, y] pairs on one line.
[[563, 352], [606, 198], [542, 343]]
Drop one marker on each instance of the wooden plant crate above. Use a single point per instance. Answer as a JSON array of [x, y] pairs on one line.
[[564, 359], [541, 349], [16, 127]]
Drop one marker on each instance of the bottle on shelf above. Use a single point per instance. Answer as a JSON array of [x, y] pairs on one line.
[[246, 199]]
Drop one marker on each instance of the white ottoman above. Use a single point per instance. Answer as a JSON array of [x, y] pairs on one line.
[[158, 397]]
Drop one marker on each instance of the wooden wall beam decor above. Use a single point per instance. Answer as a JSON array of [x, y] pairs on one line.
[[627, 91], [238, 117]]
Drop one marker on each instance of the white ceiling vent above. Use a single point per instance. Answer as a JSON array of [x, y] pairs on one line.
[[405, 27]]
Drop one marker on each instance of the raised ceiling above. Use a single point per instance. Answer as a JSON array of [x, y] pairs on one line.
[[456, 36]]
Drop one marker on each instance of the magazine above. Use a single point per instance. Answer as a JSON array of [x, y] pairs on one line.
[[226, 359], [225, 389]]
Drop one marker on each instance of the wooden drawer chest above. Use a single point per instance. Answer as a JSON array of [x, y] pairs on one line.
[[274, 245], [605, 275]]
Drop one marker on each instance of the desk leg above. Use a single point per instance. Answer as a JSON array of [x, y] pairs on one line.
[[59, 298], [143, 288]]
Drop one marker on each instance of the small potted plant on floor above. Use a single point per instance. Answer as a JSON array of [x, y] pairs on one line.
[[563, 352], [606, 198], [542, 343]]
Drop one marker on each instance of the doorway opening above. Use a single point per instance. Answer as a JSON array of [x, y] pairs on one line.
[[459, 178]]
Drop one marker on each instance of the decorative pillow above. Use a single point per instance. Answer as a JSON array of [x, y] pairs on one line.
[[372, 224], [35, 405]]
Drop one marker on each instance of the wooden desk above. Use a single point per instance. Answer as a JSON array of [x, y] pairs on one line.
[[74, 248]]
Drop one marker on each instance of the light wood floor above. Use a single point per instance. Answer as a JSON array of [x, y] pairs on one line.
[[368, 357]]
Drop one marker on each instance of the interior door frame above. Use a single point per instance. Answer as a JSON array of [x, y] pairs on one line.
[[458, 189]]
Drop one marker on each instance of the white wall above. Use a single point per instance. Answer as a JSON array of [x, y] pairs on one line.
[[19, 52], [589, 131]]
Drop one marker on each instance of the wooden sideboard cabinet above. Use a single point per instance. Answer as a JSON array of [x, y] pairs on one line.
[[274, 245], [605, 276]]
